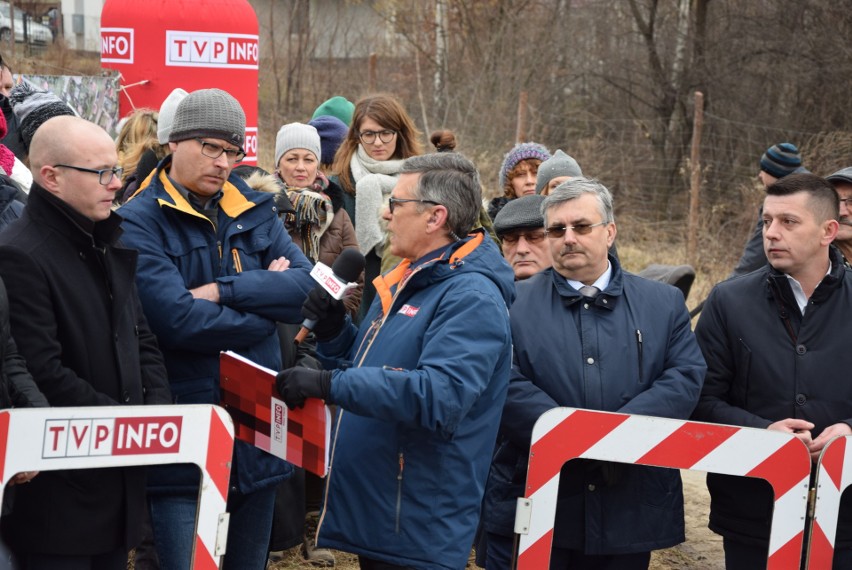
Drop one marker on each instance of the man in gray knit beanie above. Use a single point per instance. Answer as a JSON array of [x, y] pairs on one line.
[[209, 113], [216, 271], [520, 226]]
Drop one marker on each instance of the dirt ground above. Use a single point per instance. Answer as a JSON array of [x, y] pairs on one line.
[[701, 551]]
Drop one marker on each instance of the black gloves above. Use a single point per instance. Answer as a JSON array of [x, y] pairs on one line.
[[297, 384], [328, 312]]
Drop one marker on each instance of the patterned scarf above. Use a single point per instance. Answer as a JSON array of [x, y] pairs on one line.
[[314, 214]]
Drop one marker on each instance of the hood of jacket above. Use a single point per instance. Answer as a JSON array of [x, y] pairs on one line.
[[237, 196], [269, 183]]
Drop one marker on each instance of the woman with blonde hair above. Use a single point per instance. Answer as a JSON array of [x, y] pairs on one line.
[[366, 167], [138, 149]]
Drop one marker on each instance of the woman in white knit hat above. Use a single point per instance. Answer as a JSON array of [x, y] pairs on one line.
[[320, 225]]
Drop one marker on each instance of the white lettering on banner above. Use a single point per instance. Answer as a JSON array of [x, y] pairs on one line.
[[250, 146], [206, 49], [323, 275], [117, 45], [111, 436]]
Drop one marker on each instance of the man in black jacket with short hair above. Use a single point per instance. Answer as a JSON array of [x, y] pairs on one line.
[[77, 320], [776, 349]]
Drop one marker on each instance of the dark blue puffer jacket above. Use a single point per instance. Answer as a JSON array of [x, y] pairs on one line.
[[180, 249], [420, 409]]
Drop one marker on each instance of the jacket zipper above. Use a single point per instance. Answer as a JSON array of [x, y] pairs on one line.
[[399, 491], [639, 347], [337, 432], [371, 335], [330, 471]]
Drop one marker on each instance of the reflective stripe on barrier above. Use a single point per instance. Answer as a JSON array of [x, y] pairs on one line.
[[50, 439], [834, 475], [563, 434]]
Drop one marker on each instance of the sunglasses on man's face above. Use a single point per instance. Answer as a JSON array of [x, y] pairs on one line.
[[558, 231], [530, 237]]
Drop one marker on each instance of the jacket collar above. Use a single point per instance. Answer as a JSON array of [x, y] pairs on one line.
[[389, 284], [65, 219], [606, 299], [233, 202], [777, 281]]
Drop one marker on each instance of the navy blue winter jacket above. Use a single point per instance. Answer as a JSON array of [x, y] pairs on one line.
[[420, 408], [632, 351], [180, 249]]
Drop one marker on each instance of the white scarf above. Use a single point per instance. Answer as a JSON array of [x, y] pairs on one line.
[[374, 180]]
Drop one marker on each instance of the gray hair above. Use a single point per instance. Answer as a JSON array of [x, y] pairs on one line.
[[573, 189], [451, 180]]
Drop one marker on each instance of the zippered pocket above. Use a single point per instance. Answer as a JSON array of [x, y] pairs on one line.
[[399, 492]]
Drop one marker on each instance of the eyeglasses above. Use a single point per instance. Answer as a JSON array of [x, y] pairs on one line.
[[211, 150], [369, 137], [392, 202], [580, 229], [531, 237], [104, 175], [846, 201]]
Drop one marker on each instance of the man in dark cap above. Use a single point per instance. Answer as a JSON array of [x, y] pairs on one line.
[[216, 272], [778, 161], [842, 182], [520, 226]]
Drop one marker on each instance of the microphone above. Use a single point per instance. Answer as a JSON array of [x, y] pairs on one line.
[[336, 280]]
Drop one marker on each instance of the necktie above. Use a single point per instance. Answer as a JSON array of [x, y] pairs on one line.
[[589, 292]]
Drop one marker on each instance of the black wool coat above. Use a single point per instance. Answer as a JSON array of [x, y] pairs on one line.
[[78, 322], [768, 362]]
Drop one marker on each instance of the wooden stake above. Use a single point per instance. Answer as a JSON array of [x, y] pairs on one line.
[[695, 179]]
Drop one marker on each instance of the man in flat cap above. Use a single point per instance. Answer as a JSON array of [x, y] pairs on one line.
[[842, 182], [216, 272], [520, 226]]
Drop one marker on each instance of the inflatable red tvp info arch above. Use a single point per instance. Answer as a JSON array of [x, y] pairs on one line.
[[159, 45]]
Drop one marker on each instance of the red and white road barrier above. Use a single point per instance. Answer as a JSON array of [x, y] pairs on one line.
[[563, 434], [49, 439], [834, 475]]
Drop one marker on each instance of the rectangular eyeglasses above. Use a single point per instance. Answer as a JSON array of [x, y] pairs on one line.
[[392, 202], [580, 229], [104, 174]]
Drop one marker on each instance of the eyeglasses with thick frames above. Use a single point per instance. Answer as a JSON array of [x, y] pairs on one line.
[[392, 202], [557, 232], [530, 237], [211, 150], [369, 137], [104, 174]]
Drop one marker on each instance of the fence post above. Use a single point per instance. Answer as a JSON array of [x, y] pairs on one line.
[[695, 178]]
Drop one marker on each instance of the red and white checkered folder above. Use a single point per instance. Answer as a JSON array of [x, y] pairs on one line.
[[301, 436]]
